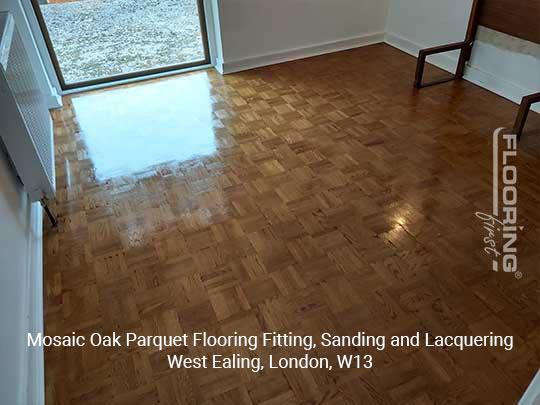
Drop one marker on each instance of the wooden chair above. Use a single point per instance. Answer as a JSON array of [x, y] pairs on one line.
[[511, 17]]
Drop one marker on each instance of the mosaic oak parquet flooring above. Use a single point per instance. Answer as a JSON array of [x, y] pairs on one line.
[[336, 199]]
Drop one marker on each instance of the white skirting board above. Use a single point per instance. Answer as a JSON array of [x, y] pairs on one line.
[[33, 386], [298, 53], [448, 62]]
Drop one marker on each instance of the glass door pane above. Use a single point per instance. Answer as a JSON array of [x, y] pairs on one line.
[[96, 41]]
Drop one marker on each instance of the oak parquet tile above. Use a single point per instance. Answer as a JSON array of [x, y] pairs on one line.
[[334, 198]]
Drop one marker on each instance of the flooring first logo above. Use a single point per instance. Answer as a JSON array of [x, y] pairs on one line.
[[501, 226]]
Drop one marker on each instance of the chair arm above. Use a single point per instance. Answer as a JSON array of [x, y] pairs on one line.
[[444, 48]]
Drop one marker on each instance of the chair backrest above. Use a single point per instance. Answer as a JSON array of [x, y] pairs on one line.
[[519, 18]]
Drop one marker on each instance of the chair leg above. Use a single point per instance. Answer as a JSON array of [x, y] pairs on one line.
[[523, 113], [464, 57], [421, 63], [420, 66]]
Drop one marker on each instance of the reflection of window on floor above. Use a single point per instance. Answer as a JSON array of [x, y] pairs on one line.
[[95, 39], [125, 135]]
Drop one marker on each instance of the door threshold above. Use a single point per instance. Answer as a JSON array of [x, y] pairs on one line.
[[135, 79]]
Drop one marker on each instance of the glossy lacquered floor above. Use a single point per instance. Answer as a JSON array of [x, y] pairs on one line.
[[323, 195], [128, 131]]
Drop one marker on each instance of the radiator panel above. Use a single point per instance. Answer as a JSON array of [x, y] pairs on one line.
[[27, 127]]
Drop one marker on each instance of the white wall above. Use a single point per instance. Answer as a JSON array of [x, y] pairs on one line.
[[15, 7], [508, 66], [21, 370], [261, 32]]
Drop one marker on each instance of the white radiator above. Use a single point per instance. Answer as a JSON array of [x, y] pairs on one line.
[[25, 122]]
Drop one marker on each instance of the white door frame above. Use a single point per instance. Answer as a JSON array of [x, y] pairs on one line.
[[532, 395]]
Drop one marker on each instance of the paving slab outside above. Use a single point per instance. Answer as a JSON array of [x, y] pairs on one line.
[[101, 38]]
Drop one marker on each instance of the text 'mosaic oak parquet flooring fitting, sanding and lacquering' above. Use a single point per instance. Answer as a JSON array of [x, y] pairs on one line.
[[322, 195]]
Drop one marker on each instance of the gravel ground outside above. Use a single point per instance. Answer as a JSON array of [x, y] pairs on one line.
[[101, 38]]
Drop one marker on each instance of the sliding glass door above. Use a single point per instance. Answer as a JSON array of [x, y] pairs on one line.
[[99, 41]]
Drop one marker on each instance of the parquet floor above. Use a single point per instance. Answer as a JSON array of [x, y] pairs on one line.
[[320, 195]]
